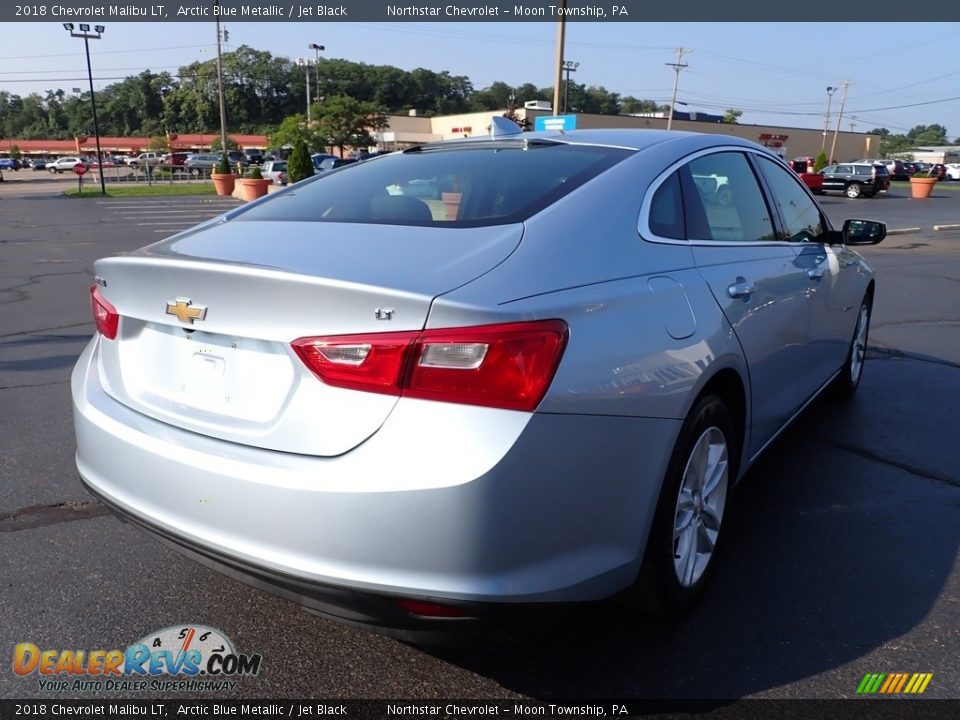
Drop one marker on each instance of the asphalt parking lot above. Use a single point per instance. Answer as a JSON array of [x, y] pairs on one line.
[[841, 557]]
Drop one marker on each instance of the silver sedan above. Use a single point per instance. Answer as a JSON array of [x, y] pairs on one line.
[[537, 382]]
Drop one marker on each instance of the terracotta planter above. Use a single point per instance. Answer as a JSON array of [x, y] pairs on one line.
[[253, 189], [922, 187], [452, 203], [223, 183]]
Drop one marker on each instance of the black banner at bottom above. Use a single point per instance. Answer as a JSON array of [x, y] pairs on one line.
[[870, 708]]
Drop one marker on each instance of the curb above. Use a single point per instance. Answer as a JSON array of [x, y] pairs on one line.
[[954, 226], [904, 231]]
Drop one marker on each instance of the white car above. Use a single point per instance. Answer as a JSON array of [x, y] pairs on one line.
[[953, 171], [275, 170], [64, 164]]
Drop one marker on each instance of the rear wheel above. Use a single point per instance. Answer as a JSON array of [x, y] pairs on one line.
[[690, 512], [854, 190], [848, 380]]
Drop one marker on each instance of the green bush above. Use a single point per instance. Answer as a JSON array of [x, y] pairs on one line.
[[820, 162], [299, 164], [223, 166], [253, 173]]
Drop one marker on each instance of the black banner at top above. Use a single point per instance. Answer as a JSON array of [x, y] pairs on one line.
[[860, 11]]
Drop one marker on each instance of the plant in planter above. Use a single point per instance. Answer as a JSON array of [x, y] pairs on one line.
[[223, 179], [299, 164], [921, 184], [253, 185]]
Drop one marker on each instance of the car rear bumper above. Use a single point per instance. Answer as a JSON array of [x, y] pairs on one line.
[[451, 504]]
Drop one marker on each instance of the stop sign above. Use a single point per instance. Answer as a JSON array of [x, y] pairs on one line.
[[79, 168]]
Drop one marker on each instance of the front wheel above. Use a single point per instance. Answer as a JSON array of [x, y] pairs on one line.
[[854, 190], [848, 380], [689, 517]]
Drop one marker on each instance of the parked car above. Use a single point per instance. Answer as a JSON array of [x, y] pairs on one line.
[[411, 415], [38, 164], [65, 164], [254, 156], [146, 158], [804, 169], [237, 157], [953, 171], [318, 158], [938, 170], [9, 164], [196, 164], [175, 159], [331, 163], [276, 170], [856, 179]]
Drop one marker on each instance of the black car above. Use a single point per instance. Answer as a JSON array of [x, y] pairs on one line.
[[38, 164], [332, 163], [856, 179], [254, 156]]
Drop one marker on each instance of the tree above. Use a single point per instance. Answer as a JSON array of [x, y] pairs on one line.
[[299, 164], [928, 135], [15, 152], [159, 143], [215, 145], [345, 122], [292, 130], [820, 162], [732, 116]]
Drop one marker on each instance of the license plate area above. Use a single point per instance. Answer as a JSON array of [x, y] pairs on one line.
[[206, 377]]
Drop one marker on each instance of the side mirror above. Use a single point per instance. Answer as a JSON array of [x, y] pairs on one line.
[[863, 232]]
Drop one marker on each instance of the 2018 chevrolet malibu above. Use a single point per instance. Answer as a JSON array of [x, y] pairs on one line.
[[538, 384]]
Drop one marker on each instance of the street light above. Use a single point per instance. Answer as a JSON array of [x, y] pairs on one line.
[[305, 64], [569, 66], [826, 118], [87, 37], [316, 65]]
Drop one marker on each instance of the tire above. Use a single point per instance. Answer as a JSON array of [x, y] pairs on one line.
[[848, 380], [677, 564], [53, 171], [194, 171], [854, 190]]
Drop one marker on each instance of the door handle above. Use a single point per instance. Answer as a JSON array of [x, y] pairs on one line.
[[741, 288], [816, 273]]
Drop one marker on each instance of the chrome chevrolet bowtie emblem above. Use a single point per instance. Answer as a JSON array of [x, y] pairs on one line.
[[185, 310]]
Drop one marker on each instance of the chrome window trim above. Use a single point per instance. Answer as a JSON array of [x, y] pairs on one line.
[[643, 224]]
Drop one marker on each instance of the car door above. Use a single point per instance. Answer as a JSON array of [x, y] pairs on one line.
[[832, 272], [755, 280]]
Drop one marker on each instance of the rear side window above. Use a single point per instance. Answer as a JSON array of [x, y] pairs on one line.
[[666, 210], [467, 185], [723, 200]]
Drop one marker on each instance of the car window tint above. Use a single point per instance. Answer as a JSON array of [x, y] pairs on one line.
[[467, 185], [726, 190], [666, 210], [802, 221]]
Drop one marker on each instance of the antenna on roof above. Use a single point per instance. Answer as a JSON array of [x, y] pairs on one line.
[[502, 127]]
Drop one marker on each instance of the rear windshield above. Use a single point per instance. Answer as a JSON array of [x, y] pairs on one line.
[[463, 186]]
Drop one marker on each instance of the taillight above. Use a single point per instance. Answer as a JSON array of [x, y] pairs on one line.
[[105, 315], [430, 609], [508, 365]]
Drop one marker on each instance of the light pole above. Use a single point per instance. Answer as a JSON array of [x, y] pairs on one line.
[[223, 105], [87, 37], [306, 66], [569, 66], [826, 118], [316, 66]]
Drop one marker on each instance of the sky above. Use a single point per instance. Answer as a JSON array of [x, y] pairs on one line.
[[776, 73]]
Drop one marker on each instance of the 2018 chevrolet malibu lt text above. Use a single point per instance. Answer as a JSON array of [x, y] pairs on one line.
[[537, 384]]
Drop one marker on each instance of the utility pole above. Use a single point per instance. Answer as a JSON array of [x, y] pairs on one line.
[[677, 67], [843, 101], [558, 70], [569, 66], [316, 66], [826, 118], [223, 105], [306, 66]]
